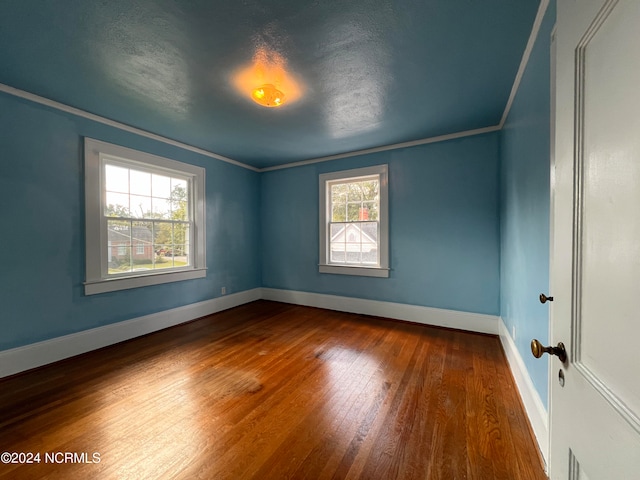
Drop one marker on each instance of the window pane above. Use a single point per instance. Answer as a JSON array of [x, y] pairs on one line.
[[119, 246], [355, 192], [160, 186], [338, 212], [161, 208], [370, 190], [117, 205], [337, 253], [180, 233], [186, 235], [339, 193], [142, 242], [368, 211], [353, 256], [369, 232], [140, 183], [353, 234], [163, 232], [140, 206], [179, 199], [353, 212], [369, 245], [116, 179], [335, 229], [178, 187], [180, 255], [161, 259], [370, 257], [180, 211], [120, 259], [119, 232], [337, 242]]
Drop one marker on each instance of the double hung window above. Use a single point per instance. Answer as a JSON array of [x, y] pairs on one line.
[[144, 218], [354, 222]]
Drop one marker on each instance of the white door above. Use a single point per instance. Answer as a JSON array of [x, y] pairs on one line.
[[595, 416]]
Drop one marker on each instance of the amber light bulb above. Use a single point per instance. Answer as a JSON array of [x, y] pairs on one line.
[[268, 96]]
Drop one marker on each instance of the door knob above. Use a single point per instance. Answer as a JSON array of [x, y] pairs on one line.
[[538, 350], [545, 299]]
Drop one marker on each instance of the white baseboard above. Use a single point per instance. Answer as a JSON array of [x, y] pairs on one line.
[[474, 322], [42, 353], [24, 358], [532, 403]]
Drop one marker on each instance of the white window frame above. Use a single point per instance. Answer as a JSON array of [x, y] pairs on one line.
[[97, 281], [326, 179]]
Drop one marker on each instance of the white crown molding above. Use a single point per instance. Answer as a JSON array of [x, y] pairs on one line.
[[24, 358], [537, 413], [542, 8], [383, 148], [112, 123], [473, 322], [441, 138]]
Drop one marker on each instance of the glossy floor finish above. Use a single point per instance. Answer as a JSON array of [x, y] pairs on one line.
[[272, 391]]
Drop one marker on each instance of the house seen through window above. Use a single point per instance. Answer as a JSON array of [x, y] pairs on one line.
[[147, 217], [354, 224]]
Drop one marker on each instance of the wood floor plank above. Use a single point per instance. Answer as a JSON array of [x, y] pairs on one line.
[[336, 404], [449, 457], [275, 391]]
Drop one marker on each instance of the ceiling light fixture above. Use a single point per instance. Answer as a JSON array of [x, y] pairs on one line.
[[267, 80], [268, 95]]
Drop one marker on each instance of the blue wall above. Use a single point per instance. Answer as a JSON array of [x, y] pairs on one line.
[[524, 208], [444, 227], [42, 236], [469, 224]]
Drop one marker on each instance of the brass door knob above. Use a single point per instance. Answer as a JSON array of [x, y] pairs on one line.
[[545, 299], [538, 350]]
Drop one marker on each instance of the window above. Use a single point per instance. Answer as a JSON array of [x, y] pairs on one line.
[[354, 222], [144, 219]]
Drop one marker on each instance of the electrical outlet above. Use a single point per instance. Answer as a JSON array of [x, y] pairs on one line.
[[223, 290], [513, 332]]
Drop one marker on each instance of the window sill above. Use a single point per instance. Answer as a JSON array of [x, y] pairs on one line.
[[359, 271], [125, 283]]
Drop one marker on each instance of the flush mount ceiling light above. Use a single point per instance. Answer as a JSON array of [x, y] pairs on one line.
[[268, 95], [267, 80]]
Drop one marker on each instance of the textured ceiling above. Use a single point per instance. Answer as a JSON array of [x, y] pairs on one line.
[[366, 73]]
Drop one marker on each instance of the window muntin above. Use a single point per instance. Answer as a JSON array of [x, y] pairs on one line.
[[145, 219], [353, 222]]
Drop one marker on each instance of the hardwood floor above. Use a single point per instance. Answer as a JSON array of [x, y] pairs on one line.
[[274, 391]]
